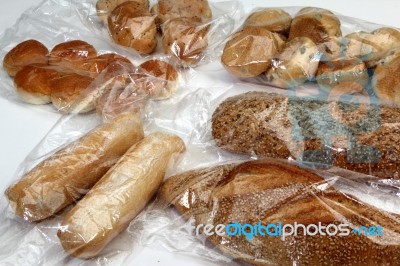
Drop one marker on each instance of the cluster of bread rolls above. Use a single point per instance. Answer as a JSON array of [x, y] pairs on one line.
[[114, 168], [182, 23], [63, 76], [286, 52]]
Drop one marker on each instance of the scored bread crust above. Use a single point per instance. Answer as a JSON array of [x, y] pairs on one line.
[[119, 196], [272, 125], [130, 24], [270, 191], [272, 19], [25, 53], [66, 176], [249, 52], [315, 23]]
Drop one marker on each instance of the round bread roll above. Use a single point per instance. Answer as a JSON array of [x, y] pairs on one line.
[[185, 39], [105, 7], [68, 90], [331, 74], [386, 81], [197, 10], [25, 53], [250, 51], [131, 25], [272, 19], [119, 99], [297, 63], [315, 23], [71, 54], [33, 83], [162, 79]]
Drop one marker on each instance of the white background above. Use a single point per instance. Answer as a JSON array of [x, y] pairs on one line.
[[23, 126]]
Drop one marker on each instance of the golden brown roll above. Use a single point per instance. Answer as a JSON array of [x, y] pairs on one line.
[[386, 81], [297, 63], [120, 98], [68, 90], [25, 53], [331, 74], [131, 25], [67, 54], [272, 19], [197, 10], [105, 7], [68, 174], [161, 79], [185, 39], [250, 51], [119, 196], [33, 83], [315, 23]]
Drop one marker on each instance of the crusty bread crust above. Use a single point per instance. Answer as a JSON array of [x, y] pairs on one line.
[[269, 191]]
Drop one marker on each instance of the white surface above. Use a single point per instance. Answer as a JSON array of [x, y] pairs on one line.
[[23, 126]]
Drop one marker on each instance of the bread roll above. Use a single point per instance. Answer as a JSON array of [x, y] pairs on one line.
[[131, 25], [185, 39], [272, 19], [71, 53], [105, 7], [361, 137], [119, 196], [197, 10], [250, 51], [33, 83], [68, 90], [297, 63], [269, 192], [315, 23], [25, 53], [65, 176], [386, 81], [331, 74], [372, 47], [161, 79]]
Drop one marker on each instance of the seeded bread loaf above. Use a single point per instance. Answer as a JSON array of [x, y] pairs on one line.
[[359, 137], [270, 192]]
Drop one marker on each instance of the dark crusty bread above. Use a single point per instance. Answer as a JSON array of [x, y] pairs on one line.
[[315, 23], [130, 24], [311, 130], [268, 191]]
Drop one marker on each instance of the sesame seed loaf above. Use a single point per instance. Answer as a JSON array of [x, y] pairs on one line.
[[363, 138], [269, 191]]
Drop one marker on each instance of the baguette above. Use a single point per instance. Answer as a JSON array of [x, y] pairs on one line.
[[66, 176], [119, 196], [359, 137], [270, 192]]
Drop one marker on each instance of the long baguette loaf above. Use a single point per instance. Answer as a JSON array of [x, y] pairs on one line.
[[359, 137], [270, 192], [66, 176], [119, 196]]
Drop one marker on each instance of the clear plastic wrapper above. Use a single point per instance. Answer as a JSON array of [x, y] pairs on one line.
[[192, 33], [223, 178]]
